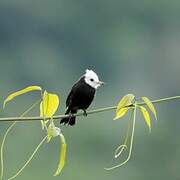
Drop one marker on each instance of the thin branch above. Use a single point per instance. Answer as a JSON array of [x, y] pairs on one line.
[[38, 118], [161, 100]]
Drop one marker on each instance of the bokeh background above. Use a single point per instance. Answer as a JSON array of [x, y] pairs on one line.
[[132, 45]]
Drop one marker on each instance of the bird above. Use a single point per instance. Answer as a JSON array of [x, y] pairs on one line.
[[81, 96]]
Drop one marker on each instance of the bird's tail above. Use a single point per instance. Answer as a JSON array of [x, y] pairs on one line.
[[69, 120]]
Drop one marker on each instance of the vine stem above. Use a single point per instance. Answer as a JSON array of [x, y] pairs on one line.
[[38, 118], [6, 134], [30, 158], [2, 148], [131, 141]]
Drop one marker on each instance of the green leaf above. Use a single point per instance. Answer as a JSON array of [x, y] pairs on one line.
[[121, 113], [150, 106], [122, 108], [20, 92], [125, 101], [49, 133], [146, 116], [54, 131], [62, 156], [49, 105]]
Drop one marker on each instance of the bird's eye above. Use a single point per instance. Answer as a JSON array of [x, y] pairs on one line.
[[91, 80]]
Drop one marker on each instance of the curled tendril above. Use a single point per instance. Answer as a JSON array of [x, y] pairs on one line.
[[120, 150], [123, 147]]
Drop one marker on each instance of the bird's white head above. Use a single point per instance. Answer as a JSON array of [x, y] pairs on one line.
[[92, 79]]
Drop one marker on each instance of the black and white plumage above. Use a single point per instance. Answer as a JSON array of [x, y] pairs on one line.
[[81, 95]]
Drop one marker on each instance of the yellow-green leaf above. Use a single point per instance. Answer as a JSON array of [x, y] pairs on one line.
[[20, 92], [49, 137], [49, 133], [62, 156], [146, 116], [121, 113], [150, 106], [125, 101], [49, 105], [43, 123], [122, 108]]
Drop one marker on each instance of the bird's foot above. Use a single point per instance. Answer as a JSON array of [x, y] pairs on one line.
[[70, 116], [84, 112]]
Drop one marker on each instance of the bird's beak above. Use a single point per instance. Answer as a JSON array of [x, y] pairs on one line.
[[101, 83]]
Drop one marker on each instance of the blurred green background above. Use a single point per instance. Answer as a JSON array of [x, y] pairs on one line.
[[132, 45]]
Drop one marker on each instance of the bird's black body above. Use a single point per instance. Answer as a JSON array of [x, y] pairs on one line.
[[80, 97]]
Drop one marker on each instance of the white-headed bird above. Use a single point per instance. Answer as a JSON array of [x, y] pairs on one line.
[[81, 95]]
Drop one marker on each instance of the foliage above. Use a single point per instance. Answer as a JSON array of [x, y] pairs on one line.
[[48, 105]]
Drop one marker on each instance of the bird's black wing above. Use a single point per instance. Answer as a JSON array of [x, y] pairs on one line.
[[69, 98]]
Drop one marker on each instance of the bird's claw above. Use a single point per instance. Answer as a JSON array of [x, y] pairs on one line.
[[84, 113]]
